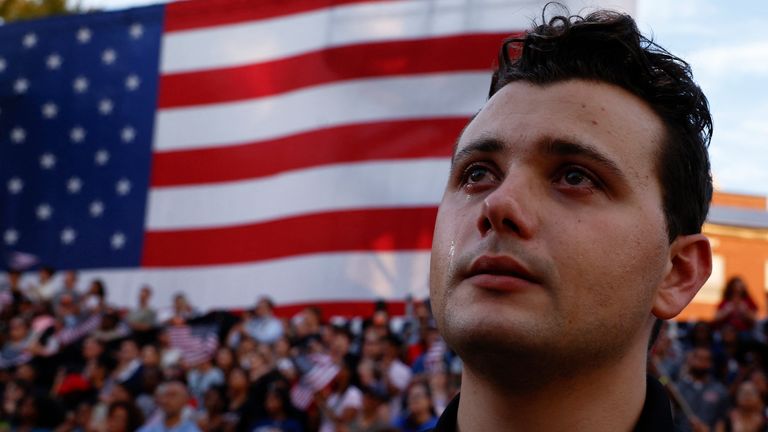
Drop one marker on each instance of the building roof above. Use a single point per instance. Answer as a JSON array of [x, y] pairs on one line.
[[739, 217]]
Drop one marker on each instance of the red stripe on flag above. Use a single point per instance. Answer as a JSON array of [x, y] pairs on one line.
[[186, 15], [363, 142], [457, 53], [358, 230]]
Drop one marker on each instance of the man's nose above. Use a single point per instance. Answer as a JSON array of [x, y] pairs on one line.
[[510, 208]]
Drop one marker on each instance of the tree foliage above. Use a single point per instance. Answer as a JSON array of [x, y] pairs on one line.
[[13, 10]]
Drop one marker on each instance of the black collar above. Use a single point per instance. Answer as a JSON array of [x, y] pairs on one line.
[[655, 417]]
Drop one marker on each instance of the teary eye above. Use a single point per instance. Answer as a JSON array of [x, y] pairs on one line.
[[476, 173], [575, 177]]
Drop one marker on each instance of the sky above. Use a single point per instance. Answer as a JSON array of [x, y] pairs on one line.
[[727, 47]]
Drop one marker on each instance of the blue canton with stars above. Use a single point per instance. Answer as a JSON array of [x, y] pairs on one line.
[[77, 105]]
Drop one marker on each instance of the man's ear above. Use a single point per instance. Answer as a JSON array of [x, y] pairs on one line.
[[690, 264]]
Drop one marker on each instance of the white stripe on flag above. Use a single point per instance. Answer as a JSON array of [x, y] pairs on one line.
[[322, 277], [347, 102], [272, 39], [387, 184]]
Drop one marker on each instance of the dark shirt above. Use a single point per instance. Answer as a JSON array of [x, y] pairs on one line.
[[655, 417]]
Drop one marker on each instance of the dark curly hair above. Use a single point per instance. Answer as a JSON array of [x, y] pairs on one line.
[[607, 46]]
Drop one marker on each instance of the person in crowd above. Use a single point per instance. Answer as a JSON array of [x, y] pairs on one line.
[[260, 325], [237, 394], [95, 299], [340, 403], [203, 376], [11, 295], [123, 416], [67, 310], [224, 359], [397, 375], [144, 317], [45, 288], [278, 412], [181, 309], [374, 414], [68, 288], [736, 308], [706, 397], [129, 368], [37, 413], [748, 413], [172, 398], [420, 412], [212, 417]]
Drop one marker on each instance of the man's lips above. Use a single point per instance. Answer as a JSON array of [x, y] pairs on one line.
[[500, 273]]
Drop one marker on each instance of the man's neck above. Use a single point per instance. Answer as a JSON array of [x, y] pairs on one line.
[[172, 421], [608, 398]]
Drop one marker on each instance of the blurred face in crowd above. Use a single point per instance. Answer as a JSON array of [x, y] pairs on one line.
[[14, 278], [92, 349], [18, 330], [224, 358], [273, 404], [748, 397], [237, 380], [700, 362], [262, 308], [117, 420], [150, 357], [128, 351], [551, 240], [372, 345], [171, 398], [144, 295], [70, 279], [419, 402]]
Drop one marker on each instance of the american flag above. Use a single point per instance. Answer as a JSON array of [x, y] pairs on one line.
[[233, 148]]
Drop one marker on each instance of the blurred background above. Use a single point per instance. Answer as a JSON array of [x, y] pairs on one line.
[[242, 194]]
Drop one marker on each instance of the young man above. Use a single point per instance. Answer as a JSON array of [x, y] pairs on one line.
[[570, 224]]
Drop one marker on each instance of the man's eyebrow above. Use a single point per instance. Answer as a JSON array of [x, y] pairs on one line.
[[562, 147], [480, 145]]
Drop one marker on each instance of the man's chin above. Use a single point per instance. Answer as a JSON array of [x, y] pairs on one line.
[[495, 328]]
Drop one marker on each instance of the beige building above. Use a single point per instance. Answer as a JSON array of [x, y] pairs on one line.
[[738, 229]]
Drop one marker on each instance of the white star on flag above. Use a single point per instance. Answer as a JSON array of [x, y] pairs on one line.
[[11, 236], [15, 185], [123, 186], [128, 134], [68, 235], [77, 134], [136, 30], [47, 160], [96, 208], [102, 157], [29, 40], [83, 35], [53, 61], [2, 65], [49, 110], [117, 240], [105, 106], [74, 184], [132, 82], [44, 211], [18, 135], [21, 85], [80, 84], [108, 56]]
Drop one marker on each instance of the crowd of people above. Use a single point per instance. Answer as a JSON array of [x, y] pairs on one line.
[[71, 362]]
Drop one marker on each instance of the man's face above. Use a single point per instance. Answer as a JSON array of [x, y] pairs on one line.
[[551, 240]]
